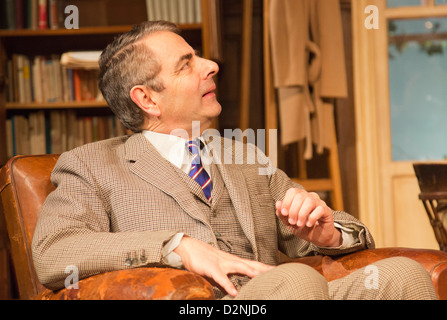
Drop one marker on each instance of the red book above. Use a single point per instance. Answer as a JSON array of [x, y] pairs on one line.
[[43, 14], [77, 85]]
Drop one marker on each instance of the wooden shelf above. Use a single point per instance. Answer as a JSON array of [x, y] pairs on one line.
[[55, 105], [81, 31]]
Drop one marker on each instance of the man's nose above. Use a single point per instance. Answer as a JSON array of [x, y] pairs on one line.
[[209, 69]]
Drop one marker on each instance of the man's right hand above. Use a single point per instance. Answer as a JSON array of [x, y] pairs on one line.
[[207, 261]]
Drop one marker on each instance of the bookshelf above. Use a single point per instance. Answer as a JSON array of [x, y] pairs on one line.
[[94, 33]]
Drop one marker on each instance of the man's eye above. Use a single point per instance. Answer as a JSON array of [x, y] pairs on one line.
[[185, 66]]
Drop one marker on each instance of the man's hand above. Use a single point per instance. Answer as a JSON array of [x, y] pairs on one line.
[[205, 260], [309, 218]]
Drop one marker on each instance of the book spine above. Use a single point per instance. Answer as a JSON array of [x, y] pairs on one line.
[[19, 14], [182, 16], [198, 11], [52, 15], [27, 80], [77, 85], [10, 81], [20, 78], [150, 10], [9, 139], [13, 136], [43, 14], [37, 77], [34, 13]]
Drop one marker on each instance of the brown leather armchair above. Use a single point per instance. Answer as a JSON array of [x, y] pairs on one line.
[[24, 185]]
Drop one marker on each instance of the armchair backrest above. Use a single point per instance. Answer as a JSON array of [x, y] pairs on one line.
[[24, 185]]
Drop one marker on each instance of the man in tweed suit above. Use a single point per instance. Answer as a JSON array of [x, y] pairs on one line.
[[129, 201]]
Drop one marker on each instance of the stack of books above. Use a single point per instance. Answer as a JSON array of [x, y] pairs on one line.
[[57, 131], [32, 14], [43, 79], [40, 80], [177, 11]]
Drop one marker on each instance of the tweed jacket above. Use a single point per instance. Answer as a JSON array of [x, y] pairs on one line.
[[118, 201]]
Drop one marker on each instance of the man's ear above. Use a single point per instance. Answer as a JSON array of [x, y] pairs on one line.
[[144, 98]]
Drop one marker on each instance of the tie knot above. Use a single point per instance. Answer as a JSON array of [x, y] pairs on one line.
[[193, 146]]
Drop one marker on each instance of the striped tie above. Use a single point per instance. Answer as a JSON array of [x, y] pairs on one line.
[[197, 172]]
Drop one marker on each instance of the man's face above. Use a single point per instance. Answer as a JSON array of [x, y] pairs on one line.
[[188, 80]]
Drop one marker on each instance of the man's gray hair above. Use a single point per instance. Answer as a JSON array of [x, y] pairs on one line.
[[127, 62]]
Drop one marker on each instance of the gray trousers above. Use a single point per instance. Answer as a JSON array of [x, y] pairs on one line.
[[395, 278]]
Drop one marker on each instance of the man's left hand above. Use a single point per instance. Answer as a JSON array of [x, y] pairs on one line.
[[309, 218]]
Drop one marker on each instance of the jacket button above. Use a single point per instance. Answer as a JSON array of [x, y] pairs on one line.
[[128, 262]]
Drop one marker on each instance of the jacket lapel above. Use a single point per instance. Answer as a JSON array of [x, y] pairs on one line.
[[149, 165], [237, 188]]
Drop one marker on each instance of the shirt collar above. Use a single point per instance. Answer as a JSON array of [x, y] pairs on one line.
[[171, 147]]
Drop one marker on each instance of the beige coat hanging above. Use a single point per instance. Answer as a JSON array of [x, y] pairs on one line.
[[308, 65]]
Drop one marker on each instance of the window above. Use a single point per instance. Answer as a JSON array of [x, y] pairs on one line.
[[403, 3], [418, 92]]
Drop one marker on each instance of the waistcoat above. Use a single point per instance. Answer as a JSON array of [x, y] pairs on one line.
[[221, 216]]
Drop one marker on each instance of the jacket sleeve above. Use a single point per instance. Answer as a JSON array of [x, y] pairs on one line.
[[73, 231], [295, 247]]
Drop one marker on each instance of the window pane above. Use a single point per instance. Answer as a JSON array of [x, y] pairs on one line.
[[402, 3], [418, 90]]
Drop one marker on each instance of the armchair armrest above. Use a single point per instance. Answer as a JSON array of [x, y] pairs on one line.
[[136, 284], [434, 261], [167, 283]]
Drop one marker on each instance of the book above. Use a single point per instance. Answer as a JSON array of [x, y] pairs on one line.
[[157, 9], [37, 132], [177, 11], [43, 79], [19, 66], [198, 11], [53, 19], [9, 81], [9, 139], [21, 135], [181, 7], [80, 60], [150, 10], [57, 131], [32, 14], [173, 11], [71, 129], [43, 14], [19, 9], [37, 76], [56, 76], [27, 91], [77, 85], [164, 5], [190, 11], [9, 14]]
